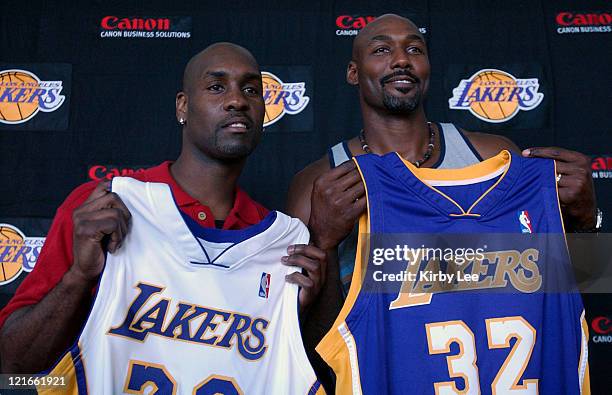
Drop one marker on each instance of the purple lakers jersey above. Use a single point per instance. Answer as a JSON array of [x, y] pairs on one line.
[[503, 319]]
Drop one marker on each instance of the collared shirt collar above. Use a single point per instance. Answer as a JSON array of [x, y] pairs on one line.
[[244, 212]]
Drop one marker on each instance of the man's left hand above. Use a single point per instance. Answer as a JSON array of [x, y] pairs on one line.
[[576, 191], [313, 262]]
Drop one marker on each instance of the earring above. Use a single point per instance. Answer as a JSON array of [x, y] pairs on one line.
[[182, 121]]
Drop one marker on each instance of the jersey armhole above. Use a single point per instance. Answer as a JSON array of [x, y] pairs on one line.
[[72, 373], [558, 201], [340, 150], [347, 151], [469, 144], [71, 363], [338, 346], [330, 157], [291, 313]]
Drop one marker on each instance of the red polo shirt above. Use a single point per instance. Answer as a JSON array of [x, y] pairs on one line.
[[56, 255]]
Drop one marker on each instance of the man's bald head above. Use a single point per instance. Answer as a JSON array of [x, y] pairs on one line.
[[204, 58], [377, 27], [221, 106]]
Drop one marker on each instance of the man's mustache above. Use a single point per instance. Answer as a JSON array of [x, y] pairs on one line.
[[399, 73]]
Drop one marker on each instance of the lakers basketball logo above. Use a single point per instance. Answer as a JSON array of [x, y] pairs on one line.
[[23, 94], [282, 98], [496, 96], [17, 252]]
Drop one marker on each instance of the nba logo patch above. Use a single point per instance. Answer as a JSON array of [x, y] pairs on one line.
[[525, 222], [264, 285]]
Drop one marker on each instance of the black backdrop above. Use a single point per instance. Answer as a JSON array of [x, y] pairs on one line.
[[118, 111]]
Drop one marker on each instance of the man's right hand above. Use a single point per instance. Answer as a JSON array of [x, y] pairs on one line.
[[337, 201], [100, 224]]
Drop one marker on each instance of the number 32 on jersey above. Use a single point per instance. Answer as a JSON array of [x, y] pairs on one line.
[[440, 336]]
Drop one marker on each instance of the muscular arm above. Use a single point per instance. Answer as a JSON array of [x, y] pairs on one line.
[[33, 337], [300, 190], [326, 307]]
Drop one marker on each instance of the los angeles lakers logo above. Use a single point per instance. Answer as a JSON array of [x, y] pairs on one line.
[[282, 98], [496, 96], [17, 252], [23, 94]]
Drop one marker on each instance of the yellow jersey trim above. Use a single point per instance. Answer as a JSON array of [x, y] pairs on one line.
[[467, 175], [333, 348], [64, 368], [583, 366]]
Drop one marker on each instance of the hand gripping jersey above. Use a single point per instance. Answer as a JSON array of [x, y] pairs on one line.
[[507, 330], [182, 309]]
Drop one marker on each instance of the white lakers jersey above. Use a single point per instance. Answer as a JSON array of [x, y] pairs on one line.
[[182, 309]]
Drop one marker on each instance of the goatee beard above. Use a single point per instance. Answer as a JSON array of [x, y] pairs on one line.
[[398, 105]]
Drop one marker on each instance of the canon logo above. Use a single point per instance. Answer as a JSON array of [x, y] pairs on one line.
[[353, 22], [601, 167], [601, 325], [602, 163], [583, 19], [102, 172], [116, 23]]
